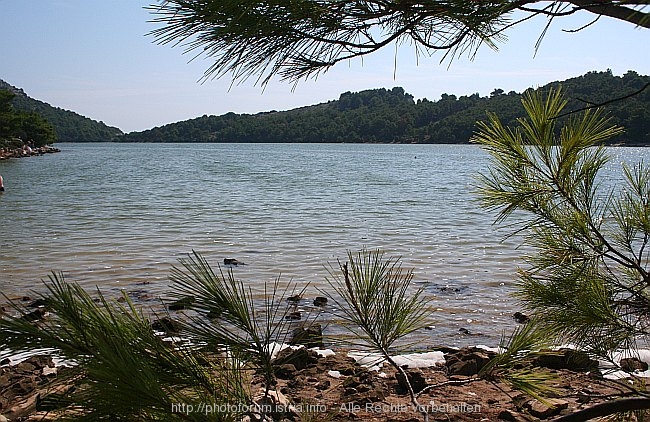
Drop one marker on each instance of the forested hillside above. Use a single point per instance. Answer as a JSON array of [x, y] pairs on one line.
[[18, 127], [68, 125], [392, 116]]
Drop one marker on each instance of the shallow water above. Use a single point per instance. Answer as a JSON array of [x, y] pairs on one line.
[[118, 216]]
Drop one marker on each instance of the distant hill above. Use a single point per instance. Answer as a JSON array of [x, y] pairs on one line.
[[68, 125], [392, 116]]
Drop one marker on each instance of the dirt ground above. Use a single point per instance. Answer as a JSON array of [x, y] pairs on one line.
[[337, 388]]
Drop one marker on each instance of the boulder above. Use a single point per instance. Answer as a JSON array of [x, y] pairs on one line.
[[573, 360], [520, 318], [286, 371], [415, 378], [552, 407], [633, 364], [463, 367], [467, 361], [299, 358], [320, 301], [309, 336]]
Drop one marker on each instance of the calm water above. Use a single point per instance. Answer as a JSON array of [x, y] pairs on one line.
[[118, 216]]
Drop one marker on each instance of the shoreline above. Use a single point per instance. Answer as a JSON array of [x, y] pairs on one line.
[[337, 386], [6, 154]]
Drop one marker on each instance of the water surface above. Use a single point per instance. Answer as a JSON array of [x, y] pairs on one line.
[[118, 216]]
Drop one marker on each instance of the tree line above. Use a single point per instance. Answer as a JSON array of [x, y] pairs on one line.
[[68, 126], [394, 116], [17, 126]]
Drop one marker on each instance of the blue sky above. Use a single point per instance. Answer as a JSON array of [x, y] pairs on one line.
[[94, 57]]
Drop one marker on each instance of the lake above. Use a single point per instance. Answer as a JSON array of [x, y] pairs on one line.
[[118, 216]]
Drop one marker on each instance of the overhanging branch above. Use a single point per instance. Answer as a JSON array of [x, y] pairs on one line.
[[616, 10]]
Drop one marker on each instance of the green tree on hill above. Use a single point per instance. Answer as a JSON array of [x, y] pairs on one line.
[[68, 125], [18, 126], [382, 115]]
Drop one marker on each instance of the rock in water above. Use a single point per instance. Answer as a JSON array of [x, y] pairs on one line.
[[520, 318], [181, 304], [294, 298], [320, 301], [293, 316], [232, 261]]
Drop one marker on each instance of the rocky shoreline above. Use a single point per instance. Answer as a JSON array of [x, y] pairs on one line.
[[7, 153], [334, 386], [338, 384]]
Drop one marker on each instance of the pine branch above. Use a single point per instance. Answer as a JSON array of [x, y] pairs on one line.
[[604, 103], [607, 408]]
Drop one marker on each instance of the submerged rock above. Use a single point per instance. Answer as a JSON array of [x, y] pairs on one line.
[[38, 303], [37, 314], [181, 304], [232, 261], [293, 316], [294, 298]]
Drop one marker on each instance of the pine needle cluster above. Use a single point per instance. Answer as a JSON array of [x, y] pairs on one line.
[[122, 370], [587, 280]]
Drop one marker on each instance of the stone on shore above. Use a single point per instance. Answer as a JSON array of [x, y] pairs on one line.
[[309, 336]]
